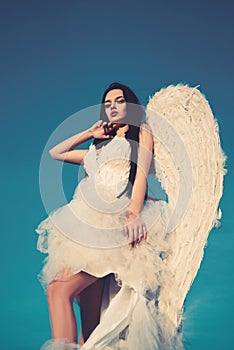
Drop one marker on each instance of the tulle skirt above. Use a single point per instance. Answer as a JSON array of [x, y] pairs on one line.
[[136, 267], [130, 318]]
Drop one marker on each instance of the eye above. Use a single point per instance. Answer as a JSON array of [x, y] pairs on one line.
[[107, 105], [121, 101]]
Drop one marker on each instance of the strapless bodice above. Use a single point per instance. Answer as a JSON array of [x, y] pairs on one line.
[[107, 170]]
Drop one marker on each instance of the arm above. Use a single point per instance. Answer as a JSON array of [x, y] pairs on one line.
[[64, 151], [143, 165], [135, 229]]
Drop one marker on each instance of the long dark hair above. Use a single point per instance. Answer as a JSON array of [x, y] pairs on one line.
[[134, 117]]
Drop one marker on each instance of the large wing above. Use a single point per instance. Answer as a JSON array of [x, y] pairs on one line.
[[189, 163]]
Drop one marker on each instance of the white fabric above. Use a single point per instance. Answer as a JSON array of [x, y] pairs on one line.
[[155, 277]]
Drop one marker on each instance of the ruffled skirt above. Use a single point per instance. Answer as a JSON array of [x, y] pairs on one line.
[[101, 256], [131, 319]]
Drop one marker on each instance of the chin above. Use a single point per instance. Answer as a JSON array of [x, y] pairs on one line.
[[117, 120]]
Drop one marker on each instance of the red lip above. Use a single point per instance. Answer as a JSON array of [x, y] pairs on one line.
[[114, 113]]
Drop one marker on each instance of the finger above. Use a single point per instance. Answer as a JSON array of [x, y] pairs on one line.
[[131, 238], [105, 127], [135, 237], [114, 125], [110, 126], [126, 234], [99, 123], [107, 130], [141, 235], [138, 242], [108, 136], [144, 232]]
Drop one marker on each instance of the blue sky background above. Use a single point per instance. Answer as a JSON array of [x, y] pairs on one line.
[[57, 57]]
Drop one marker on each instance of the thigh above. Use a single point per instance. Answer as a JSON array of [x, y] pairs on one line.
[[92, 293], [90, 301], [73, 284]]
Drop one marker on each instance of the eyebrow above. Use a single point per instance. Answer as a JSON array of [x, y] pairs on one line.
[[115, 98]]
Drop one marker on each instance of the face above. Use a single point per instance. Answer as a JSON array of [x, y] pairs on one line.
[[115, 105]]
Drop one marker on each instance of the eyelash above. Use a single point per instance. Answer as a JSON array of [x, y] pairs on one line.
[[119, 102]]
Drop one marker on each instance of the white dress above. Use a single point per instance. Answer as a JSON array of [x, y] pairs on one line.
[[87, 235], [145, 312]]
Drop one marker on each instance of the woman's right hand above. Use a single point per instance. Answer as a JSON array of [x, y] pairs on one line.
[[101, 130], [65, 151]]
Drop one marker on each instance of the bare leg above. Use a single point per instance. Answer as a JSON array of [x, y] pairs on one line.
[[60, 296], [90, 306]]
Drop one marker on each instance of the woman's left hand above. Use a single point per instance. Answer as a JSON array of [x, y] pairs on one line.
[[135, 229]]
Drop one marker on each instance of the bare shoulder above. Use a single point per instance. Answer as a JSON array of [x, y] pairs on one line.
[[145, 136]]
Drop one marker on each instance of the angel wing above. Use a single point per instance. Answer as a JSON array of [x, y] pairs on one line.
[[189, 163]]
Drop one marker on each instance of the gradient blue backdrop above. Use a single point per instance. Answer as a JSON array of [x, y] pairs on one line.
[[57, 57]]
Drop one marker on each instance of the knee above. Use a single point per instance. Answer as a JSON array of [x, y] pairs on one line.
[[57, 291]]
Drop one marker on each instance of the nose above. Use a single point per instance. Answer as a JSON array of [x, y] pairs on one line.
[[113, 105]]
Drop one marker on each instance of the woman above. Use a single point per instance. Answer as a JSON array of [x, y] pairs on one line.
[[132, 298], [81, 276]]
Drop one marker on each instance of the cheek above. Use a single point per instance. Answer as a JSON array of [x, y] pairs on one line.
[[108, 112], [124, 109]]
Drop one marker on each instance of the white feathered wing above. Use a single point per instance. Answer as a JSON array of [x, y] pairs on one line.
[[189, 163]]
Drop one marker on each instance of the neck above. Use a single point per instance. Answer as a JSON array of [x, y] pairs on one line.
[[121, 129]]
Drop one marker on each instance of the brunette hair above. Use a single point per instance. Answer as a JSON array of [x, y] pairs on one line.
[[134, 117]]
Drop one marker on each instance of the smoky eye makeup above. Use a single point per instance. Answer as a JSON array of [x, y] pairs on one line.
[[107, 105], [121, 101], [118, 100]]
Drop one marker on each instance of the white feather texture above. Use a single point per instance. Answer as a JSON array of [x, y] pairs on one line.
[[189, 164]]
